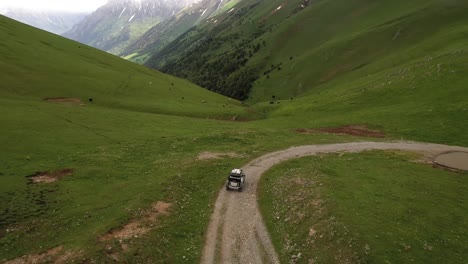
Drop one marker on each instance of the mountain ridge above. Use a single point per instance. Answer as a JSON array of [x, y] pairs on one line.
[[116, 24], [167, 31]]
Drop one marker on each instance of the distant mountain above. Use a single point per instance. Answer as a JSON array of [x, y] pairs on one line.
[[115, 25], [52, 21], [165, 32]]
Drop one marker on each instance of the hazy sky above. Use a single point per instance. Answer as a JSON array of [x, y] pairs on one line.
[[56, 5]]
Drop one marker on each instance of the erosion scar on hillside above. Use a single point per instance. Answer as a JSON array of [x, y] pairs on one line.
[[237, 233]]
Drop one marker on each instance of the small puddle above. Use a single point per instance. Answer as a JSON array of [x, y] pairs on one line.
[[455, 160]]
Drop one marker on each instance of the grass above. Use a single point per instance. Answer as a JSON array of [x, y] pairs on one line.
[[373, 207], [409, 111]]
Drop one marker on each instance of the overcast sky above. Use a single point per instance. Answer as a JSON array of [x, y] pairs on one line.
[[55, 5]]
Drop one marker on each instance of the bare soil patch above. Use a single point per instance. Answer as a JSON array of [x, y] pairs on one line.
[[207, 155], [76, 101], [454, 160], [138, 227], [48, 176], [55, 255], [353, 130], [160, 208], [133, 229]]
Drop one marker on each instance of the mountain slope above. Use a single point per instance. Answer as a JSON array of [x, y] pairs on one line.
[[116, 24], [398, 66], [55, 22], [165, 32], [37, 65], [287, 48]]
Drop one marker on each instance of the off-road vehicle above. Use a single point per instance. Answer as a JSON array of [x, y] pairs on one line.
[[236, 180]]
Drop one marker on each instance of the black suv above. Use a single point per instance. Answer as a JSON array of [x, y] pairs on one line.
[[236, 180]]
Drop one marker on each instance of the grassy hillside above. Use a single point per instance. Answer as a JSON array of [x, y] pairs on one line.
[[36, 65], [369, 37], [295, 46], [406, 75], [373, 207]]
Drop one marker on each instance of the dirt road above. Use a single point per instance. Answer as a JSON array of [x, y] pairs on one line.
[[237, 233]]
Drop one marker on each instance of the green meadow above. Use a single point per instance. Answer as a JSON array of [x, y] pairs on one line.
[[373, 207]]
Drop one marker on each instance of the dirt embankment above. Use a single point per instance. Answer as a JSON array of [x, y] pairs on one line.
[[237, 233]]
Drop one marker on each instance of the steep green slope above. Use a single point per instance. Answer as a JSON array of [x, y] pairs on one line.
[[407, 76], [213, 53], [369, 37], [291, 47], [36, 65]]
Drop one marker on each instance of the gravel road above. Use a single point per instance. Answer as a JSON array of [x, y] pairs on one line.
[[237, 233]]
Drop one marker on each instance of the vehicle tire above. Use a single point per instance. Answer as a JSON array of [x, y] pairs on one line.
[[227, 188], [240, 189]]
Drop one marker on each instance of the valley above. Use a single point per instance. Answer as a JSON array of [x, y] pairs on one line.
[[105, 160]]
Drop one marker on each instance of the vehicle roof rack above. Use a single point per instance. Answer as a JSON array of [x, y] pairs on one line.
[[236, 171]]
